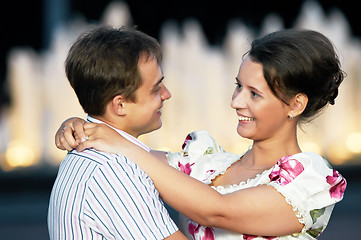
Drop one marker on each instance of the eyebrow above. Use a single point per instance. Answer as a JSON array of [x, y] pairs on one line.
[[251, 87], [256, 90]]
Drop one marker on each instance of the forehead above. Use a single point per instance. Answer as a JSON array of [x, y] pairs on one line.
[[251, 73], [149, 70]]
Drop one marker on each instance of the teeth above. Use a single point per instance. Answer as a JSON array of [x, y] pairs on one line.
[[245, 119]]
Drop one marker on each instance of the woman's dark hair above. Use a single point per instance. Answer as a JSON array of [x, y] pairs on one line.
[[299, 61], [103, 63]]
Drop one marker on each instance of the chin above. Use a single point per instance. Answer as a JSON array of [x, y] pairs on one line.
[[155, 127], [244, 134]]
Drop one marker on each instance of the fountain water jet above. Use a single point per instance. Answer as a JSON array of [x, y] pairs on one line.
[[200, 77]]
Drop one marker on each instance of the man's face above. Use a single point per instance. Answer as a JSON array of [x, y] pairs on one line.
[[144, 115]]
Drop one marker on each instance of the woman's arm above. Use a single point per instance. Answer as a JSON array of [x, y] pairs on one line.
[[258, 211], [71, 133]]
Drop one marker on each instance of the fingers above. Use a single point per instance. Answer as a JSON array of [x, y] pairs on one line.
[[64, 137], [95, 133], [60, 141], [67, 139], [90, 139], [79, 131], [84, 145], [95, 137], [89, 125], [94, 130], [59, 134], [90, 142]]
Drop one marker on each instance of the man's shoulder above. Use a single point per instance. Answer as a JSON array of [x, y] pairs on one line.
[[107, 160], [93, 155]]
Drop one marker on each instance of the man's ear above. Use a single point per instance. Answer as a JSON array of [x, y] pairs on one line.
[[118, 105], [298, 105]]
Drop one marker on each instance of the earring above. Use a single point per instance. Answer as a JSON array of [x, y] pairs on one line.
[[290, 116]]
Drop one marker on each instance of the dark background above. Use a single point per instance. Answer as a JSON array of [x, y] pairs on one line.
[[24, 193], [24, 197], [28, 23]]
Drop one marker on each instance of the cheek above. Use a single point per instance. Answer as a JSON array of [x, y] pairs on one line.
[[269, 113], [150, 108]]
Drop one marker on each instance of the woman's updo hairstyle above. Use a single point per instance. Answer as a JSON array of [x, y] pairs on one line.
[[299, 61]]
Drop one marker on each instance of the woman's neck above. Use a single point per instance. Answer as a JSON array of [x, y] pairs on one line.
[[267, 153]]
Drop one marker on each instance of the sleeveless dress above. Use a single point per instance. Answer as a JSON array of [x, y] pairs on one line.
[[306, 180]]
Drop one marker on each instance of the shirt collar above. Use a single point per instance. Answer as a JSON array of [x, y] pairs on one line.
[[124, 134]]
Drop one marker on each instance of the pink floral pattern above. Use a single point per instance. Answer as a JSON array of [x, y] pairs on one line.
[[200, 232], [322, 184], [189, 137], [186, 168], [209, 174], [286, 170], [248, 237], [338, 184]]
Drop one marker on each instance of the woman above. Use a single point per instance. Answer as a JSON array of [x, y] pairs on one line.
[[274, 190]]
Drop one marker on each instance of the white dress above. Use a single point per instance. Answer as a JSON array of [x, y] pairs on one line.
[[306, 180]]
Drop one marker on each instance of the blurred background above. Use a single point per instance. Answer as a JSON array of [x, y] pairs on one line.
[[203, 43]]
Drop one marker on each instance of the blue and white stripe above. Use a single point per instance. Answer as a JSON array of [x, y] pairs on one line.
[[98, 195]]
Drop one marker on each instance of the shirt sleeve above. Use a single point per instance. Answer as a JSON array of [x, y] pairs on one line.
[[196, 145], [311, 187], [122, 203], [201, 157]]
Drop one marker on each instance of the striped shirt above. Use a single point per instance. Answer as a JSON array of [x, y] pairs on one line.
[[98, 195]]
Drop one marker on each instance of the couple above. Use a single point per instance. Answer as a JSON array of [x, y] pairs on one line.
[[272, 191]]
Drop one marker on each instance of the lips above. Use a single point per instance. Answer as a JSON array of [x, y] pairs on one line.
[[159, 111]]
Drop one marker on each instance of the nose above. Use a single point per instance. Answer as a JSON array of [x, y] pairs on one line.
[[165, 94], [238, 99]]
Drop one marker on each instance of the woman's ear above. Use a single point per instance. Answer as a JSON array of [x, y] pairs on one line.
[[298, 105], [118, 105]]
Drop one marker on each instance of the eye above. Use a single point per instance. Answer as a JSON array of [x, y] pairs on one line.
[[238, 85], [156, 89], [254, 94]]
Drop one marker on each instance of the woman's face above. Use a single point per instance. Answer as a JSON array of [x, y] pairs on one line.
[[261, 115]]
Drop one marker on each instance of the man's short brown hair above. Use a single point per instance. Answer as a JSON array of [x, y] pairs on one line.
[[103, 63]]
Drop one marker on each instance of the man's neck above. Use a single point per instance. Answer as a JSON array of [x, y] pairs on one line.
[[125, 134], [114, 124]]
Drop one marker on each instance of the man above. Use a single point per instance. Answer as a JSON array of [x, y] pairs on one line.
[[116, 76]]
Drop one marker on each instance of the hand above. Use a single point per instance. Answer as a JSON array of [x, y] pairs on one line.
[[70, 134], [104, 138]]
